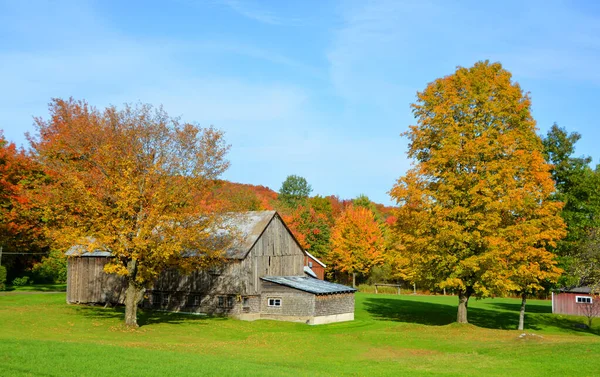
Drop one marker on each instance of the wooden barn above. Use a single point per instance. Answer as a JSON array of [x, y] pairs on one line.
[[574, 301], [267, 275]]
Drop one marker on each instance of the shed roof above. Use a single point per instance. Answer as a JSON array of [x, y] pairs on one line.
[[310, 285], [81, 250], [584, 289]]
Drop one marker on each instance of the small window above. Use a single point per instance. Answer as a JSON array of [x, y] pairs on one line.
[[583, 299], [155, 299], [225, 301], [246, 302], [274, 302], [196, 301], [165, 299]]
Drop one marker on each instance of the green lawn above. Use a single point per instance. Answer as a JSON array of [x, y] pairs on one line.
[[40, 335], [37, 288]]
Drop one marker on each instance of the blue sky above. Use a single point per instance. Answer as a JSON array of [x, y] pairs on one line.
[[319, 89]]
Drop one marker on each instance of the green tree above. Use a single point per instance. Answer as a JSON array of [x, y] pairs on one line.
[[478, 192], [577, 187], [294, 191]]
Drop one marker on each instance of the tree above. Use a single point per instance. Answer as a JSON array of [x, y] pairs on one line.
[[294, 191], [591, 309], [357, 243], [577, 187], [21, 226], [132, 182], [478, 192]]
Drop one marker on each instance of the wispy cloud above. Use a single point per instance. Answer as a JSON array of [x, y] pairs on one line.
[[253, 12]]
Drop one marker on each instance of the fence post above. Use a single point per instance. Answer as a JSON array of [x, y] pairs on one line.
[[414, 288], [376, 292]]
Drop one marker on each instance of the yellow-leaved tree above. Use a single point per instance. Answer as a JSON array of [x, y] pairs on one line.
[[133, 182], [357, 242], [474, 215]]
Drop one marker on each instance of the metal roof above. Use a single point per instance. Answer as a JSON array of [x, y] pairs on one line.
[[82, 251], [310, 272], [308, 284], [587, 290]]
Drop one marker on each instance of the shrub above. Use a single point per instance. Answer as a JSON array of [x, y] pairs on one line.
[[19, 282], [2, 278], [52, 268]]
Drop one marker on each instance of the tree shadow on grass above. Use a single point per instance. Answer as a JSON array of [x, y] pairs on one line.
[[529, 308], [145, 317], [434, 314]]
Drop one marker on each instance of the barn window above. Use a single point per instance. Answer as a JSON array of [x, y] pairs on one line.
[[583, 299], [155, 299], [225, 301], [165, 299], [246, 302], [274, 302], [196, 300]]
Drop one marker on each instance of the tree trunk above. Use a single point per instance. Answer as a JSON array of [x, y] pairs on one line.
[[522, 313], [463, 303], [133, 296], [354, 280]]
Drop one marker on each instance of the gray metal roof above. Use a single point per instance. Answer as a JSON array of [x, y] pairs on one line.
[[577, 290], [309, 271], [81, 251], [308, 284]]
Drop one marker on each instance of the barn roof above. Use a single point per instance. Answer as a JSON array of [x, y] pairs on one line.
[[245, 227], [308, 284], [248, 226]]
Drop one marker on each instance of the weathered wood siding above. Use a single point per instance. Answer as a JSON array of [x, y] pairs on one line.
[[275, 253], [88, 283]]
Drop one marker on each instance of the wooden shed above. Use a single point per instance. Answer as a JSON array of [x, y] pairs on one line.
[[266, 248], [574, 301]]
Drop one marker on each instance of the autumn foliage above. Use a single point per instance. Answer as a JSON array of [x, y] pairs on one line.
[[20, 226], [133, 182], [474, 213], [357, 242]]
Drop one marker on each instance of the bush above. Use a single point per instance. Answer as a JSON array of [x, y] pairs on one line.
[[19, 282], [52, 268], [2, 278]]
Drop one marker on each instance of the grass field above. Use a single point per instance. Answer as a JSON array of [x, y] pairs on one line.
[[392, 335]]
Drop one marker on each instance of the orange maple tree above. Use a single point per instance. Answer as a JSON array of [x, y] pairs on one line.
[[357, 242], [474, 214], [20, 225], [131, 182]]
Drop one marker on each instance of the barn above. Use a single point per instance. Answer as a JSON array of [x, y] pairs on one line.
[[267, 276], [575, 301]]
